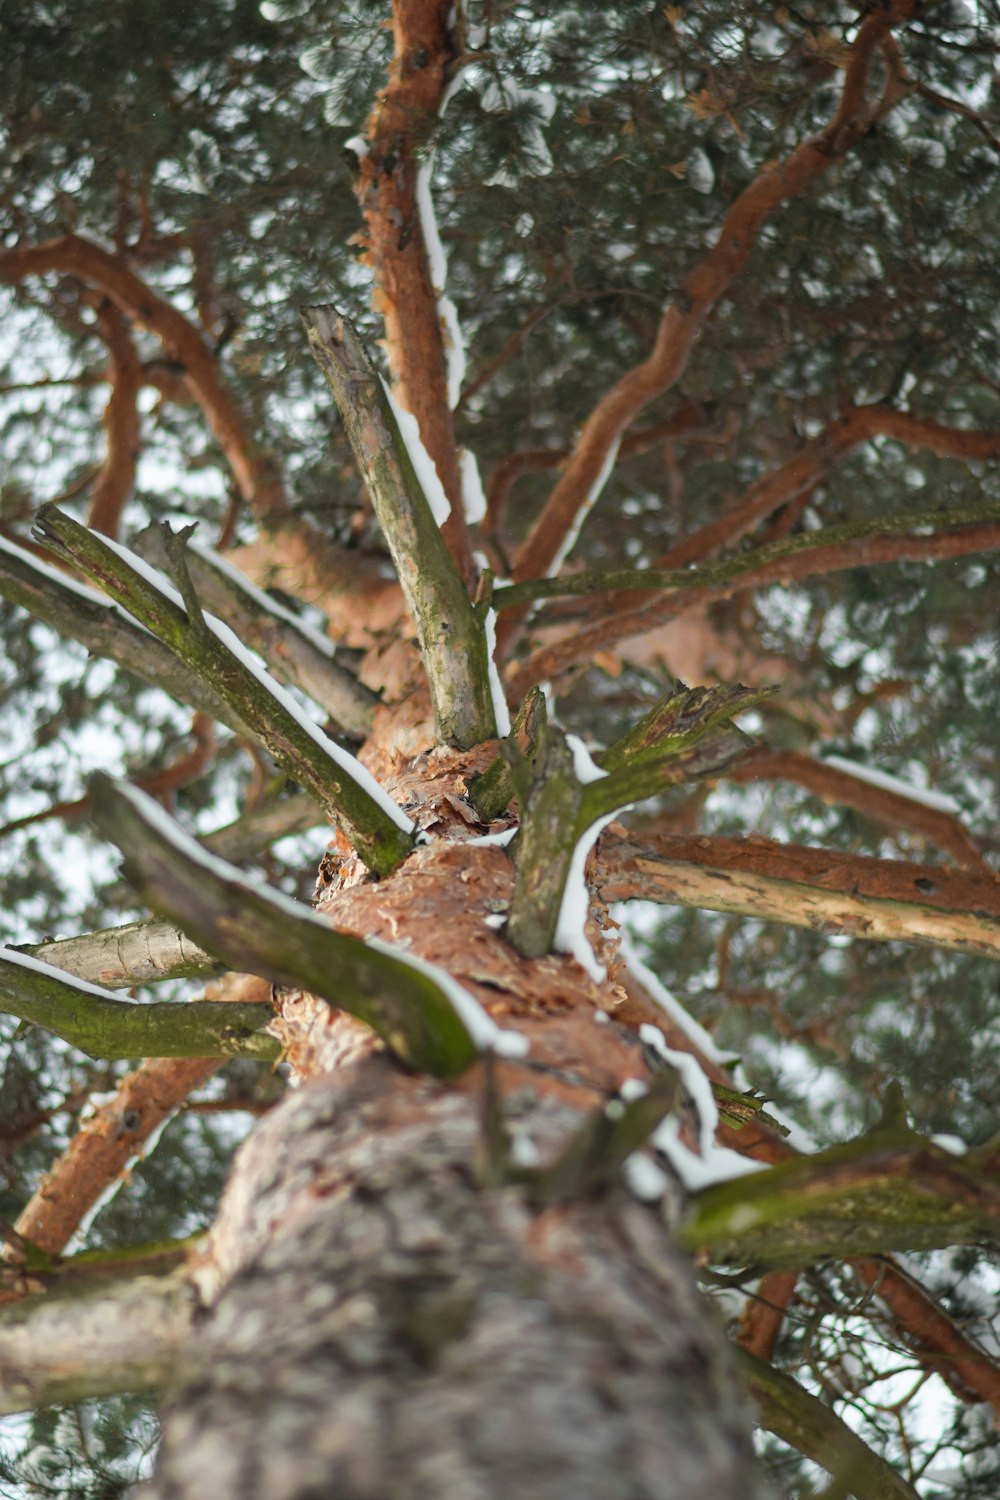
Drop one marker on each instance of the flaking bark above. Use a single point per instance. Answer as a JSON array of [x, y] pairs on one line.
[[427, 1339]]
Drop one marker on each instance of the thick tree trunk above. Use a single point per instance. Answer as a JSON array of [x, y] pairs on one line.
[[381, 1326]]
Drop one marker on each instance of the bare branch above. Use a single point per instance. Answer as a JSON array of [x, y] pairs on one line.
[[452, 641], [252, 927], [388, 191], [115, 1133], [64, 1348], [85, 616], [117, 958], [121, 422], [891, 809], [774, 185], [294, 653], [339, 783], [875, 899], [73, 255], [809, 1425], [797, 560]]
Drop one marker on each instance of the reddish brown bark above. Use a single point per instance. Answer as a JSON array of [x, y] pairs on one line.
[[107, 1142], [547, 663], [764, 1313], [691, 420], [824, 889], [73, 255], [400, 124], [892, 810], [858, 424], [939, 1344], [774, 185], [121, 422]]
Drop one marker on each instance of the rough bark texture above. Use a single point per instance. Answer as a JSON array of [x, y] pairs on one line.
[[823, 889], [382, 1327]]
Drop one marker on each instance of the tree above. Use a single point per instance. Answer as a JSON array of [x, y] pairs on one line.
[[729, 277]]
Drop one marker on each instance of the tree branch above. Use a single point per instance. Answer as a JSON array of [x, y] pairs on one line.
[[294, 653], [689, 421], [452, 641], [121, 422], [878, 900], [101, 1026], [888, 1189], [73, 255], [339, 783], [115, 1133], [774, 185], [798, 560], [808, 1425], [117, 958], [68, 1346], [85, 616], [388, 191], [418, 1014], [893, 810]]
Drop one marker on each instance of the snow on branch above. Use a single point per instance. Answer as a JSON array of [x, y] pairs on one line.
[[210, 650], [567, 799], [84, 615], [102, 1026], [452, 640], [293, 652], [888, 1189], [428, 1020], [119, 957]]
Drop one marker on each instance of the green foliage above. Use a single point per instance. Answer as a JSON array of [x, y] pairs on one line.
[[581, 167]]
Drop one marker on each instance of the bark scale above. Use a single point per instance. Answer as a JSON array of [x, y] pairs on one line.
[[382, 1327]]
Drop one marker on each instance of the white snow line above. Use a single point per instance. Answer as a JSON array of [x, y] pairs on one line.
[[346, 762], [500, 710], [698, 1172], [25, 961], [263, 601], [503, 838], [570, 936], [82, 590], [644, 1179], [585, 768], [483, 1030], [938, 800], [451, 332], [691, 1028], [473, 494], [593, 495], [423, 464], [694, 1080]]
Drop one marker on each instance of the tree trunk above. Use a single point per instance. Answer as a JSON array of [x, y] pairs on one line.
[[382, 1326]]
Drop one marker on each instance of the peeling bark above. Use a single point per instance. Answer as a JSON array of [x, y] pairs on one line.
[[823, 889]]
